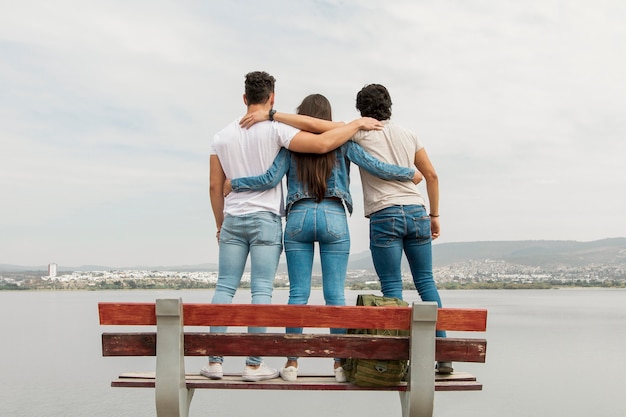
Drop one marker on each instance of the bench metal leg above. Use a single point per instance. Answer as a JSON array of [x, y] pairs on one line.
[[172, 396], [419, 400]]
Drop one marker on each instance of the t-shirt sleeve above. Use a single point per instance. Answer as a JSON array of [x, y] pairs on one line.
[[418, 143], [285, 133], [358, 136], [213, 148]]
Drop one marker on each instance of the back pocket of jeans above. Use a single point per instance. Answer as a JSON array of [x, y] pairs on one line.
[[382, 232], [422, 227], [336, 223], [295, 222]]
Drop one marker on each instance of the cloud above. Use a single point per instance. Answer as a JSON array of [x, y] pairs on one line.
[[108, 110]]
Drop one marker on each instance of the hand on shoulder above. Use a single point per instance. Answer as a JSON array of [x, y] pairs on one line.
[[369, 123], [251, 119]]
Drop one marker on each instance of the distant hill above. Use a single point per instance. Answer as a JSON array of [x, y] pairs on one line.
[[542, 253]]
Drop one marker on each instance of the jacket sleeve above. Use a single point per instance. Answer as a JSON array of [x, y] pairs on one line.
[[359, 156], [269, 180]]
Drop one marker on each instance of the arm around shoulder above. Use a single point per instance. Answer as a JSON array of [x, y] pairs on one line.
[[306, 123], [311, 143]]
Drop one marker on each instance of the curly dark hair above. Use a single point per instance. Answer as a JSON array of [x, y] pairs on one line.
[[374, 101], [258, 87]]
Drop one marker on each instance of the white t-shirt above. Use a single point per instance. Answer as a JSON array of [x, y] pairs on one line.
[[247, 152]]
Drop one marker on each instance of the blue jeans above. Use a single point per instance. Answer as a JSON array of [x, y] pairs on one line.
[[403, 228], [326, 223], [260, 235]]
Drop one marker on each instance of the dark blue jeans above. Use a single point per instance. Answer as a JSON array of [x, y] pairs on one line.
[[398, 229]]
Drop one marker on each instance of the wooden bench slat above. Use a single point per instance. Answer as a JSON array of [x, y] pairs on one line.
[[455, 376], [453, 382], [127, 314], [458, 386], [462, 319], [308, 345], [454, 319], [259, 315], [452, 349]]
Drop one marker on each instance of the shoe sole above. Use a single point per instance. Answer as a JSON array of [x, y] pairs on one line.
[[257, 378], [211, 376], [289, 376]]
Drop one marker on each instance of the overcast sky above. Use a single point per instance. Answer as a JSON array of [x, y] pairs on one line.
[[107, 111]]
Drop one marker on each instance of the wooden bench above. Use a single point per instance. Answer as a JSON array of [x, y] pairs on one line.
[[174, 387]]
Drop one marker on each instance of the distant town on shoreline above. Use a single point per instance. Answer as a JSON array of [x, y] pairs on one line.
[[469, 265]]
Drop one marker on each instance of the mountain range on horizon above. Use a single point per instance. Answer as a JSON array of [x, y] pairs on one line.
[[541, 253]]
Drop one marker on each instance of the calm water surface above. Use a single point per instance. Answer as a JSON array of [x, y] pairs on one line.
[[550, 353]]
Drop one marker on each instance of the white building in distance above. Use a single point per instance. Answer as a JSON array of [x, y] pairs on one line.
[[52, 270]]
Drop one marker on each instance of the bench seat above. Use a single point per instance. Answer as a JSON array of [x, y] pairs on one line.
[[457, 381]]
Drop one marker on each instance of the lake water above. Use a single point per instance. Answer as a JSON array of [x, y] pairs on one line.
[[551, 353]]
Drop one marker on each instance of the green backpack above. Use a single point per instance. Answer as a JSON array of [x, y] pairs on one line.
[[374, 372]]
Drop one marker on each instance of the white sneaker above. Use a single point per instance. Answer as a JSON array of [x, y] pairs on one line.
[[340, 375], [212, 370], [261, 373], [290, 373]]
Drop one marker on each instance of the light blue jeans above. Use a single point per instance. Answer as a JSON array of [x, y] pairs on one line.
[[259, 235], [403, 228], [326, 223]]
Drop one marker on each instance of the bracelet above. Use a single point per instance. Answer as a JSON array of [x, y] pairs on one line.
[[433, 215]]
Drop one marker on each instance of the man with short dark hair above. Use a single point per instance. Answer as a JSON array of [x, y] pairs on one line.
[[249, 223]]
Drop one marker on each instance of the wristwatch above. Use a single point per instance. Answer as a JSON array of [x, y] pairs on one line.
[[272, 113]]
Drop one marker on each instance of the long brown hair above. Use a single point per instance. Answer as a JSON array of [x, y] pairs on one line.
[[313, 169]]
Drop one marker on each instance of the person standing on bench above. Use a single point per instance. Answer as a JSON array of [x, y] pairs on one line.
[[318, 188], [397, 211], [250, 223]]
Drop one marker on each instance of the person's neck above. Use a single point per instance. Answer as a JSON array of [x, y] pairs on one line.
[[256, 107]]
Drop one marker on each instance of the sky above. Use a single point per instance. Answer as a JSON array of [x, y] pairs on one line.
[[108, 109]]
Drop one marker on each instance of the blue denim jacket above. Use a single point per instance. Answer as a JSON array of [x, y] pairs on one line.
[[338, 184]]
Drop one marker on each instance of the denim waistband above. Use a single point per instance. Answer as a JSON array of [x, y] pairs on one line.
[[256, 214], [400, 209]]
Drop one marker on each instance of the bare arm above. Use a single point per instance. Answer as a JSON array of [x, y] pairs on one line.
[[423, 164], [307, 123], [216, 191], [306, 142]]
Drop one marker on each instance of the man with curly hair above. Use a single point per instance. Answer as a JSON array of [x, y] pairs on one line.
[[399, 221]]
